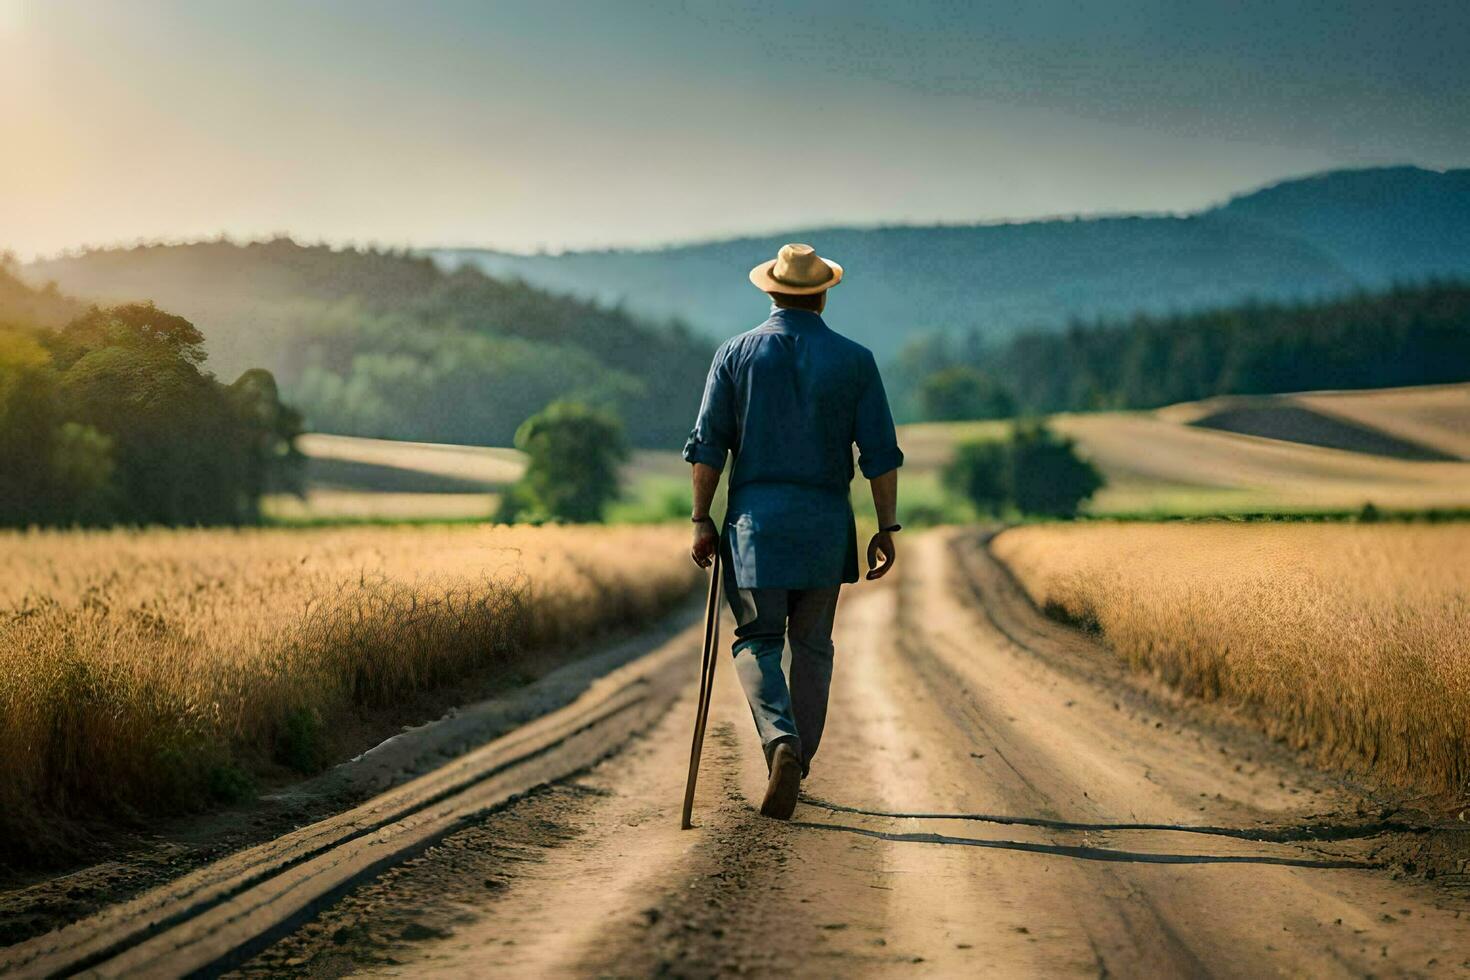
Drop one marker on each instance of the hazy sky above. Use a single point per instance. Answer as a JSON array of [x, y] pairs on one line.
[[561, 124]]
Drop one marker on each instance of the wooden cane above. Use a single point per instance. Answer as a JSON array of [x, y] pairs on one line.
[[706, 685]]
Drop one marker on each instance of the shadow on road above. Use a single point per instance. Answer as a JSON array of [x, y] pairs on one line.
[[1091, 853], [1266, 835]]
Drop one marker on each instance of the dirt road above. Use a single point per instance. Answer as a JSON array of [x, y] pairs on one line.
[[978, 807]]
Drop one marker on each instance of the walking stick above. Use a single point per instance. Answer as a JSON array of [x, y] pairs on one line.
[[706, 685]]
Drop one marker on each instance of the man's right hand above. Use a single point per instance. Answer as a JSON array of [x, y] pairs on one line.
[[881, 544], [706, 540]]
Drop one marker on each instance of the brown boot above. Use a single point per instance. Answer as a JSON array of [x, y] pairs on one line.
[[785, 782]]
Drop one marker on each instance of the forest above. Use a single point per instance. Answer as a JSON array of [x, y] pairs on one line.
[[1408, 335]]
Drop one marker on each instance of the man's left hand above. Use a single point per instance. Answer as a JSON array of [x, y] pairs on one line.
[[882, 543]]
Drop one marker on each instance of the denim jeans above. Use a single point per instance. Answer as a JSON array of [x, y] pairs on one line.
[[794, 711]]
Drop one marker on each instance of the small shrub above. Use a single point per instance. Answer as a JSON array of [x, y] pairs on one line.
[[229, 783], [980, 472], [299, 744], [572, 474], [1047, 475], [1034, 471]]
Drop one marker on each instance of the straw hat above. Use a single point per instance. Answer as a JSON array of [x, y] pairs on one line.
[[796, 269]]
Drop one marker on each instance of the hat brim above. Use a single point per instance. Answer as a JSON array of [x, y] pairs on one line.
[[763, 280]]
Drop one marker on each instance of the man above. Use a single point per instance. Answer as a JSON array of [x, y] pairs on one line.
[[787, 401]]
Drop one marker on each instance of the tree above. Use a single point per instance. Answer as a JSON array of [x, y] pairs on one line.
[[171, 432], [1034, 471], [29, 416], [267, 434], [82, 470], [138, 324], [572, 471], [1047, 475], [980, 473], [961, 393]]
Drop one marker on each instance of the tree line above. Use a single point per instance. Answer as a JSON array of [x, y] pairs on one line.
[[1408, 335], [113, 419]]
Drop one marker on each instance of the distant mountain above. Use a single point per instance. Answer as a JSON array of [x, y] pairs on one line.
[[1300, 239], [1383, 226], [388, 344]]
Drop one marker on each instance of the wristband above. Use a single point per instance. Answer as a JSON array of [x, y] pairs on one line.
[[890, 528], [702, 520]]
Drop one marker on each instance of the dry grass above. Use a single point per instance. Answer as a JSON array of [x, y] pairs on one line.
[[1353, 640], [151, 671]]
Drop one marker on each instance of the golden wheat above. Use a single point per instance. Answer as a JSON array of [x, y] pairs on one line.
[[149, 670], [1353, 640]]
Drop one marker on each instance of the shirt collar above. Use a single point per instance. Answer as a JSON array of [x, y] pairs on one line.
[[796, 318]]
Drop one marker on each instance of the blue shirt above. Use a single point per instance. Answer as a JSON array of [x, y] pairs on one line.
[[788, 400]]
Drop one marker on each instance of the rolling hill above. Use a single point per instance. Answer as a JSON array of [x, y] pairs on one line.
[[1383, 226], [1253, 454], [1167, 463], [1299, 239], [1427, 422], [1436, 416]]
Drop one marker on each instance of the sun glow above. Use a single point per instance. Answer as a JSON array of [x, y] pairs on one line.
[[11, 14]]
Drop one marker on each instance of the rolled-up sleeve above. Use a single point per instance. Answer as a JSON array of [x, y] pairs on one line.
[[713, 435], [874, 433]]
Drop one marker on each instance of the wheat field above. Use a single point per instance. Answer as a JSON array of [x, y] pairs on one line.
[[152, 671], [1351, 640]]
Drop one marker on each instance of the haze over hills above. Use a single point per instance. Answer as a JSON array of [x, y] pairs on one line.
[[388, 344], [44, 307], [1299, 239]]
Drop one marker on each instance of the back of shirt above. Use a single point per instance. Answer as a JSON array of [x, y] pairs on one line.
[[788, 400]]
